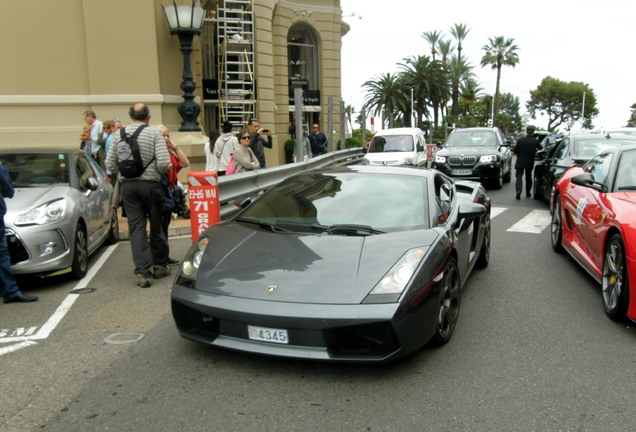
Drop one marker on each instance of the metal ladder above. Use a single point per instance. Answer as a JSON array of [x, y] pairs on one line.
[[235, 36]]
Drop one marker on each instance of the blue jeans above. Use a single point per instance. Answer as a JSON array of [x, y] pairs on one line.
[[8, 285]]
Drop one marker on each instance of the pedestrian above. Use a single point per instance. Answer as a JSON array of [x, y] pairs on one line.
[[85, 139], [104, 143], [525, 149], [178, 160], [317, 141], [8, 285], [143, 198], [224, 147], [257, 142], [211, 161], [244, 157], [97, 128]]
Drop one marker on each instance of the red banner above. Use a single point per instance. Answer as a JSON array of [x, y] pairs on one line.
[[203, 194]]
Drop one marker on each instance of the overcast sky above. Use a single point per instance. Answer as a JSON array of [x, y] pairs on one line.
[[584, 41]]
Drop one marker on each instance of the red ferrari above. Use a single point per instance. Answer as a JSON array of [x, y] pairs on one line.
[[594, 220]]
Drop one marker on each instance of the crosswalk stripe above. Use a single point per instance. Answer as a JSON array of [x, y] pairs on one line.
[[534, 222], [494, 211]]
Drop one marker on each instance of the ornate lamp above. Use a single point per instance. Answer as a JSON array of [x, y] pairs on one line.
[[186, 22]]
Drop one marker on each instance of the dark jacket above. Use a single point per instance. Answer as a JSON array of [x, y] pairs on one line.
[[6, 187], [257, 143], [318, 143], [526, 149]]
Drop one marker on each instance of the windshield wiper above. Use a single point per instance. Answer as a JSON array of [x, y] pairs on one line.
[[267, 225], [353, 230]]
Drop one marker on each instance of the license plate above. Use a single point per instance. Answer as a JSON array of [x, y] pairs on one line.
[[268, 334], [461, 172]]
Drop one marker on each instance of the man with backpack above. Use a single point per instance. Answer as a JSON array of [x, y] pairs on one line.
[[139, 154]]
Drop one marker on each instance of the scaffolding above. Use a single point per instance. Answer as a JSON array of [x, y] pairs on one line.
[[235, 37]]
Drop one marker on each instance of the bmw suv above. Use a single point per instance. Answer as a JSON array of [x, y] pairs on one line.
[[478, 153]]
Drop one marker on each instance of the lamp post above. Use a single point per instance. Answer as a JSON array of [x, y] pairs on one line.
[[186, 22]]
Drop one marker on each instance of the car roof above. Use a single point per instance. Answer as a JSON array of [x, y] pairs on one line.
[[472, 129], [398, 131], [374, 169]]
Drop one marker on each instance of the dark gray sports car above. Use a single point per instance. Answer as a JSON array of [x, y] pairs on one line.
[[355, 263]]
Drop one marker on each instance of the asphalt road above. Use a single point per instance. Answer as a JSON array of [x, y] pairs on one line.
[[533, 351]]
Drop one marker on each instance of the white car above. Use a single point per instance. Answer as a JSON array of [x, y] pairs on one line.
[[399, 146]]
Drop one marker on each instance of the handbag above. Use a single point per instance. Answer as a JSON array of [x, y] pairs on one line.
[[230, 166]]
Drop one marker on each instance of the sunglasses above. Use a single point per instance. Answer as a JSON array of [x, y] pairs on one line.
[[245, 137]]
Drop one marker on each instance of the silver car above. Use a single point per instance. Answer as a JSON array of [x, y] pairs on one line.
[[61, 212]]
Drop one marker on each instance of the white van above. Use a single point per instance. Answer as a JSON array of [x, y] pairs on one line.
[[398, 146]]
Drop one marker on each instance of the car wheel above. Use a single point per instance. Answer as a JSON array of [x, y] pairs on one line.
[[508, 176], [113, 232], [498, 182], [615, 284], [484, 252], [80, 254], [448, 308], [556, 226]]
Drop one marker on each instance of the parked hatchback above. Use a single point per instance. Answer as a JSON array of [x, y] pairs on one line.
[[61, 212], [398, 146], [479, 153]]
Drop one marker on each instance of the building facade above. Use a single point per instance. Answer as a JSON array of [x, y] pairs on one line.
[[64, 57]]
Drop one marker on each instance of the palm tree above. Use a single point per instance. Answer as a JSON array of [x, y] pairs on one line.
[[500, 52], [422, 75], [385, 96], [460, 70], [459, 32], [445, 49], [469, 91], [432, 37]]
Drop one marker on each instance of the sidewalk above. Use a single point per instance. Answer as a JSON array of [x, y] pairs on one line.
[[178, 227]]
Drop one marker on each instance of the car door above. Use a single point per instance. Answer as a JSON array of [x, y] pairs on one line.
[[592, 211], [95, 204]]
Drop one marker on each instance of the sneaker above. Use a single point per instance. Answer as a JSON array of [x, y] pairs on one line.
[[142, 281], [161, 271], [172, 261]]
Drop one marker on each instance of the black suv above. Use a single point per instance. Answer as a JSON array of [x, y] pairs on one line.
[[479, 153]]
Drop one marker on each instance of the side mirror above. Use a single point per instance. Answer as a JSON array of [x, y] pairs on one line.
[[92, 183], [587, 180], [439, 144]]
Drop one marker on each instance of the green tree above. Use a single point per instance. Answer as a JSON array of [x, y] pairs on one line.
[[500, 52], [632, 118], [386, 96], [432, 37], [459, 32], [460, 70], [509, 118], [424, 76], [563, 103]]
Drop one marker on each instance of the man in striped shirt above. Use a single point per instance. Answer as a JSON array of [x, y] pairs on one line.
[[143, 196]]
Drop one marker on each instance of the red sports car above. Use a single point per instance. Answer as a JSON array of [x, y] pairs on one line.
[[594, 220]]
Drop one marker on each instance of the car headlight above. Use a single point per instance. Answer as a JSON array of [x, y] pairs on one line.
[[396, 279], [46, 213], [488, 158], [190, 267], [440, 159]]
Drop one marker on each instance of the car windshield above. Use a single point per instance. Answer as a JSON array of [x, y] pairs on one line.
[[391, 143], [36, 169], [587, 149], [472, 139], [342, 203]]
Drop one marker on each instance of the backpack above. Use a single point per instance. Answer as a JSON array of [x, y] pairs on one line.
[[129, 160]]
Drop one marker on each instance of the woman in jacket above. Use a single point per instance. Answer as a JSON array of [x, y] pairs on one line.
[[224, 147], [244, 157]]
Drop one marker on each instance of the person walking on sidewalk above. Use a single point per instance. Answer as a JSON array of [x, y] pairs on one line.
[[8, 285], [143, 198]]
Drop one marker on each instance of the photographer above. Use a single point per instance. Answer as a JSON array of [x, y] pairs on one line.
[[257, 142]]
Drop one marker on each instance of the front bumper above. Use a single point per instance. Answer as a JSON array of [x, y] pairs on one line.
[[39, 249], [483, 172], [348, 333]]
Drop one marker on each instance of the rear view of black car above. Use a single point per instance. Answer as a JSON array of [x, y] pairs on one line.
[[479, 153]]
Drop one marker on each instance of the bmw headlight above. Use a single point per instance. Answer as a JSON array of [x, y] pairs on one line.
[[46, 213], [190, 267], [396, 279], [488, 158], [440, 159]]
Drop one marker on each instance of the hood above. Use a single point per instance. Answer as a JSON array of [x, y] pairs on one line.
[[467, 151], [26, 199], [227, 136], [627, 197], [320, 269]]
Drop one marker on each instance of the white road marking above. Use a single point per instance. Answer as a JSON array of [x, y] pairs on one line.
[[62, 309], [497, 211], [534, 222]]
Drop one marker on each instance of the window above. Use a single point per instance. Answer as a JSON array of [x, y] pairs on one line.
[[599, 167], [625, 173], [302, 49]]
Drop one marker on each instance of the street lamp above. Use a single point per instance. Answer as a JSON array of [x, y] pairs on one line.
[[186, 22]]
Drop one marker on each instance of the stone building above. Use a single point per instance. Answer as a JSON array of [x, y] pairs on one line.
[[63, 57]]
